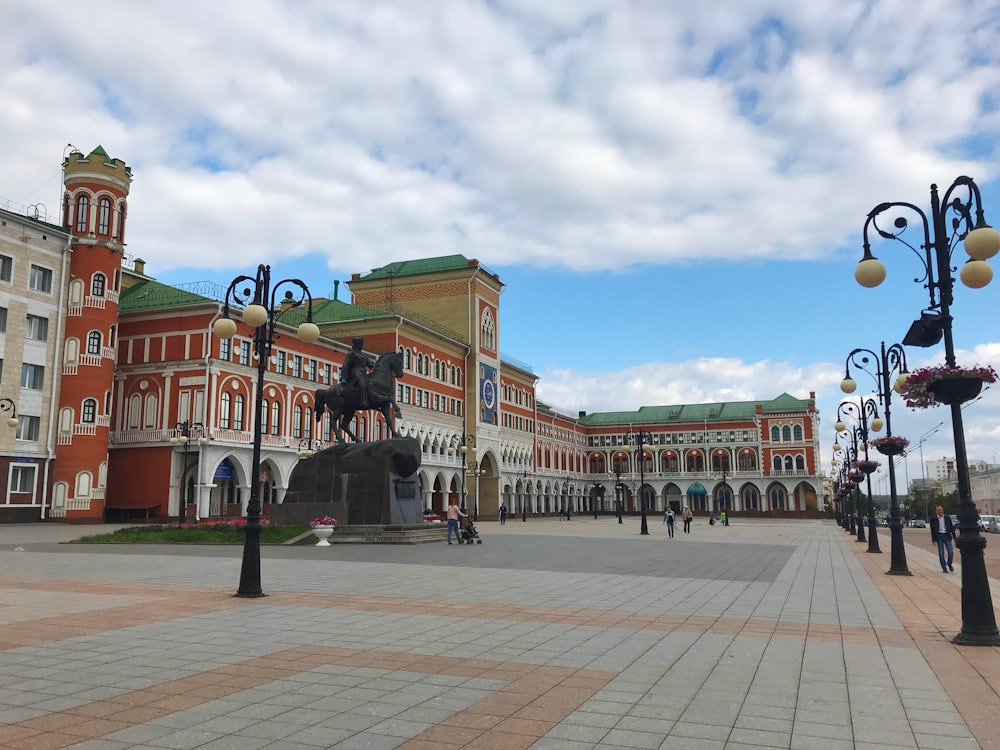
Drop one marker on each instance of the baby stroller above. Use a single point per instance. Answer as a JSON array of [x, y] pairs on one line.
[[467, 532]]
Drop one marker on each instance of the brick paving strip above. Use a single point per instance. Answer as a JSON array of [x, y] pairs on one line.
[[534, 699], [929, 606]]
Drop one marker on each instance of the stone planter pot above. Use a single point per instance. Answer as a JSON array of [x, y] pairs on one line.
[[955, 390], [323, 533]]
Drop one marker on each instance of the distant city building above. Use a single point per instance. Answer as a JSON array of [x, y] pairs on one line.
[[104, 364]]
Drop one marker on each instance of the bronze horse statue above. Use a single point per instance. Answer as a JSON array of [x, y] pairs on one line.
[[343, 401]]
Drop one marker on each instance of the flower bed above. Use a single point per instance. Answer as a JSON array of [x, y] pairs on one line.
[[323, 521]]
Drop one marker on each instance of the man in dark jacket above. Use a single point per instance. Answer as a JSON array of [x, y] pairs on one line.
[[355, 368], [943, 532]]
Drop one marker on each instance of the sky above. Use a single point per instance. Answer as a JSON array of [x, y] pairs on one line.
[[673, 193]]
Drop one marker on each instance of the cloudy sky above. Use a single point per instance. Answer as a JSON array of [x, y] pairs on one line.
[[673, 192]]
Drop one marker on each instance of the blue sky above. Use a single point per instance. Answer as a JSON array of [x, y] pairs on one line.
[[673, 193]]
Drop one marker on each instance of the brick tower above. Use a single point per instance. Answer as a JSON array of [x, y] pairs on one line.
[[94, 209]]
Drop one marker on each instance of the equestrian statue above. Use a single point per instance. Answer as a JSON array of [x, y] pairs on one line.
[[360, 391]]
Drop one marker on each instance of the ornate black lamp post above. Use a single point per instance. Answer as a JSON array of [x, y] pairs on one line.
[[852, 477], [7, 406], [308, 447], [616, 472], [596, 492], [641, 441], [184, 432], [465, 445], [260, 313], [865, 414], [890, 372], [961, 202], [524, 505]]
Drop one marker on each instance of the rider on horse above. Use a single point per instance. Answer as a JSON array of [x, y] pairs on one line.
[[354, 372]]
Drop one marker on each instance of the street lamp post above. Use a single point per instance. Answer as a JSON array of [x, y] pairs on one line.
[[7, 406], [855, 525], [596, 492], [865, 415], [308, 447], [466, 446], [524, 506], [641, 441], [961, 200], [260, 313], [566, 499], [185, 432], [887, 363], [616, 472]]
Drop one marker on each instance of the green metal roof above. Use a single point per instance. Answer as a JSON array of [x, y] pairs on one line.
[[333, 311], [713, 412], [417, 267], [152, 295]]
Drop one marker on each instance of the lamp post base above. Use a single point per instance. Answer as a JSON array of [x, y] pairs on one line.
[[897, 565], [979, 624]]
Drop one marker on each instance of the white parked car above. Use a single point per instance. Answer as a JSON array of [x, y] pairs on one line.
[[990, 524]]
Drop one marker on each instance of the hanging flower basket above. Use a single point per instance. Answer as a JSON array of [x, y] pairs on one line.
[[867, 467], [854, 476], [891, 445], [932, 386]]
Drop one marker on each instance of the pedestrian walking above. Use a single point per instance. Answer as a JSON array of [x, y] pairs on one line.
[[723, 518], [503, 514], [687, 515], [453, 515], [711, 518], [942, 533], [668, 520]]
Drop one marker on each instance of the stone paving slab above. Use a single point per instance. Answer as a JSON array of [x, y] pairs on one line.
[[567, 635]]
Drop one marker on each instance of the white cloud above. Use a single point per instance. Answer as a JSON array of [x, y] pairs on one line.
[[629, 132]]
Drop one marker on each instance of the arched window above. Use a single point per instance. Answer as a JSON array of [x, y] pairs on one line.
[[98, 284], [72, 350], [597, 465], [297, 421], [65, 216], [789, 465], [94, 339], [238, 404], [777, 463], [88, 414], [83, 483], [800, 463], [82, 213], [275, 417], [265, 411], [121, 221], [488, 331], [647, 463], [720, 462], [775, 434], [134, 411], [797, 432], [104, 216], [407, 363], [149, 418], [225, 409], [694, 461], [786, 434], [778, 498], [751, 498], [747, 461], [66, 420], [668, 462]]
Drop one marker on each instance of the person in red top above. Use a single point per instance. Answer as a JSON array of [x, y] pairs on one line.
[[453, 515]]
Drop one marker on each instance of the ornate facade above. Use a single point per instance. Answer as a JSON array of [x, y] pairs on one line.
[[138, 359]]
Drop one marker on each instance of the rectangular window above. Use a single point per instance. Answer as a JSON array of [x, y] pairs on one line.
[[36, 328], [312, 370], [3, 320], [326, 374], [281, 363], [40, 279], [296, 366], [244, 352], [22, 479], [6, 268], [224, 345], [32, 376], [27, 427]]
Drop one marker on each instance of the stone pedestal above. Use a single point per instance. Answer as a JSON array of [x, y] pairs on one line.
[[356, 483]]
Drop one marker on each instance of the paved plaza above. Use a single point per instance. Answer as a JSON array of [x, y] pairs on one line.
[[572, 635]]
